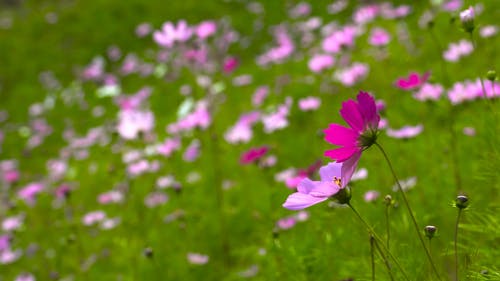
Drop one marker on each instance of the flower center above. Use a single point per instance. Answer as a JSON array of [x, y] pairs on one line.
[[367, 138], [337, 181]]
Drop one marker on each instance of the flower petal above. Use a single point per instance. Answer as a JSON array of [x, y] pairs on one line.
[[340, 135], [328, 172], [325, 189], [306, 185], [348, 167], [341, 154], [368, 109], [299, 201], [350, 113]]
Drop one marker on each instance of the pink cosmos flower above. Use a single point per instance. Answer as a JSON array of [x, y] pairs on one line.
[[259, 95], [313, 192], [457, 50], [230, 64], [29, 192], [206, 29], [429, 92], [353, 74], [469, 131], [488, 31], [309, 103], [379, 37], [196, 258], [371, 195], [286, 223], [339, 39], [169, 146], [405, 132], [192, 151], [320, 62], [253, 155], [413, 81], [363, 119]]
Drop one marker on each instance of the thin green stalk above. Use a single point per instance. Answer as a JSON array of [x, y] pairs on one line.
[[456, 240], [387, 225], [380, 242], [409, 209], [372, 250], [386, 262], [454, 160], [440, 50]]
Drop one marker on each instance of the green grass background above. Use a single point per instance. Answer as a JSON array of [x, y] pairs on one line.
[[331, 245]]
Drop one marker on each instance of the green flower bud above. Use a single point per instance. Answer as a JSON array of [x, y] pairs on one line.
[[462, 202], [430, 230]]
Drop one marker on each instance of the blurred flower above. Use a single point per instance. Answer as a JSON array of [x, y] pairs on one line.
[[9, 256], [353, 74], [313, 192], [371, 195], [320, 62], [230, 64], [406, 184], [452, 5], [155, 199], [253, 155], [278, 119], [457, 50], [286, 223], [363, 119], [299, 10], [169, 146], [429, 92], [280, 52], [29, 192], [205, 29], [170, 33], [467, 19], [259, 95], [192, 152], [93, 218], [405, 132], [196, 258], [469, 131], [25, 277], [339, 39], [132, 122], [242, 130], [379, 37], [365, 14], [413, 81], [12, 223], [488, 31], [143, 29], [360, 174], [309, 103], [112, 196]]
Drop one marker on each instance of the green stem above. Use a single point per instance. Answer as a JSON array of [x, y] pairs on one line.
[[377, 239], [372, 250], [386, 262], [440, 50], [456, 240], [387, 224], [409, 210]]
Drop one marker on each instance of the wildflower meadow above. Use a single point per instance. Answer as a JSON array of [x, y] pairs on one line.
[[249, 140]]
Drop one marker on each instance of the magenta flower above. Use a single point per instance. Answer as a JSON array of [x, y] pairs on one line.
[[363, 119], [253, 155], [313, 192], [413, 81]]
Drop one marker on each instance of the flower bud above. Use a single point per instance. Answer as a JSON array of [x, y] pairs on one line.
[[430, 230], [148, 252], [343, 196], [491, 75], [467, 19], [388, 200], [462, 202]]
